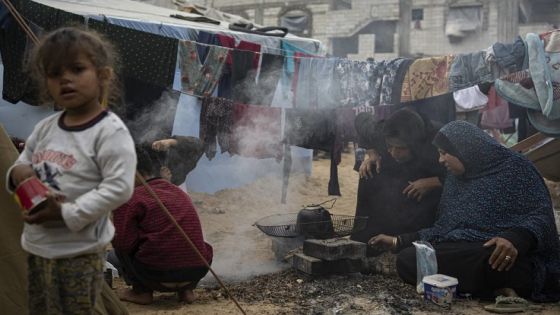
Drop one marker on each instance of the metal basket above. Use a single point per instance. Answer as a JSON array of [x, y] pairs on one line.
[[285, 225]]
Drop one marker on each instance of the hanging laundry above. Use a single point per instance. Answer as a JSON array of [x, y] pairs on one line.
[[17, 84], [206, 38], [354, 79], [216, 122], [496, 115], [545, 71], [243, 76], [48, 18], [399, 79], [256, 131], [389, 78], [269, 74], [470, 99], [426, 77], [315, 129], [439, 109], [316, 86], [229, 42], [149, 110], [510, 57], [289, 52], [199, 78], [15, 46], [239, 73], [145, 56], [539, 87], [468, 70], [375, 70]]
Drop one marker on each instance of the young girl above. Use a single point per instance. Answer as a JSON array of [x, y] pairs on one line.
[[86, 155]]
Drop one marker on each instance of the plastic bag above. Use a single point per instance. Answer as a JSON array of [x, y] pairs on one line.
[[426, 263]]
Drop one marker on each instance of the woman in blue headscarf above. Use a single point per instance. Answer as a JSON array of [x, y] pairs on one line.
[[495, 230]]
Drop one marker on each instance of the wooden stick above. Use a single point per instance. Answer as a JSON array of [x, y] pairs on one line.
[[21, 21]]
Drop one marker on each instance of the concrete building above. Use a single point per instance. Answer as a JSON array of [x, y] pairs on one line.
[[359, 29]]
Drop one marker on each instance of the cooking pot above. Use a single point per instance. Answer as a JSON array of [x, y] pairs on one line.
[[314, 221]]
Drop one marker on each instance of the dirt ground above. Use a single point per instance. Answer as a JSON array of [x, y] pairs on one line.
[[245, 262]]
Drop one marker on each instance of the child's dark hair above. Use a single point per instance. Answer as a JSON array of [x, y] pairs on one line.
[[61, 47], [145, 163]]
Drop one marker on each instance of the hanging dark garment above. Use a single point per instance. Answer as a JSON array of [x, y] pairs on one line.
[[149, 110], [398, 81], [243, 76], [147, 57], [439, 109], [215, 124], [17, 83], [206, 38], [270, 73], [315, 129], [256, 131], [49, 18], [15, 45], [238, 77]]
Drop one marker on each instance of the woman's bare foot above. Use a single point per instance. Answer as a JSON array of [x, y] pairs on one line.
[[138, 298], [506, 292], [187, 296]]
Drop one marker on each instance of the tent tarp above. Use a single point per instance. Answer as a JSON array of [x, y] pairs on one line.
[[13, 260]]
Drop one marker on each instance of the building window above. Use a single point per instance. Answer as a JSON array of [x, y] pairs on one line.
[[298, 20], [342, 5], [417, 17], [417, 14], [463, 21]]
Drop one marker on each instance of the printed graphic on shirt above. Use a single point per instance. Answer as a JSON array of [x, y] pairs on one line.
[[50, 164]]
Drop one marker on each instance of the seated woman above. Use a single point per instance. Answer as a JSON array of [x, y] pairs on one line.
[[149, 251], [495, 231], [402, 194]]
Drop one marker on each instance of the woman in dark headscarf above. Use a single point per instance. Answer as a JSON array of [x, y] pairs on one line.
[[496, 230], [402, 195]]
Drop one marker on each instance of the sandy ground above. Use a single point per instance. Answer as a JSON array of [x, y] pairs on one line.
[[245, 262]]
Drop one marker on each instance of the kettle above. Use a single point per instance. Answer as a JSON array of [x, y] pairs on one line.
[[314, 221]]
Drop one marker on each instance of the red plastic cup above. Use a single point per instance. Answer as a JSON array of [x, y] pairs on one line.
[[31, 194]]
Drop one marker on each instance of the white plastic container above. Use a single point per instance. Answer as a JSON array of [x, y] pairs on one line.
[[440, 289]]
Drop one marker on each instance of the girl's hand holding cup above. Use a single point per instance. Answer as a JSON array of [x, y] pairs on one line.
[[20, 173], [50, 210]]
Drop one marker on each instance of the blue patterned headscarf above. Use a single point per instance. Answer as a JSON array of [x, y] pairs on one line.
[[500, 190]]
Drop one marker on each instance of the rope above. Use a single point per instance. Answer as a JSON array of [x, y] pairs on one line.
[[164, 208], [20, 20]]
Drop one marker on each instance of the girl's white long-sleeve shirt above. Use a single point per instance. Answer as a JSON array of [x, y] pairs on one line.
[[92, 166]]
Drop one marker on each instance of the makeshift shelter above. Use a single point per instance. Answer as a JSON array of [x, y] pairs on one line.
[[223, 171]]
